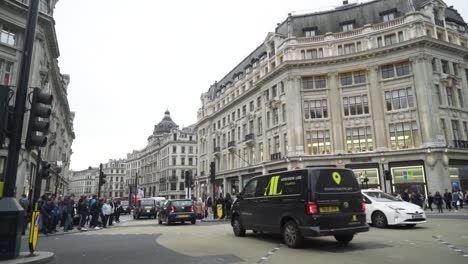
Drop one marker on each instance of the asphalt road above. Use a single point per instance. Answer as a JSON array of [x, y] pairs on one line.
[[144, 241]]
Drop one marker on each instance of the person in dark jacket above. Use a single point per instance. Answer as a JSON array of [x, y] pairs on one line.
[[228, 201], [94, 211], [430, 200], [448, 200], [438, 200], [405, 196], [83, 210]]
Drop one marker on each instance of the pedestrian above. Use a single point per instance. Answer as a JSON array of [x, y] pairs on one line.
[[24, 202], [455, 200], [83, 211], [405, 196], [94, 212], [448, 200], [118, 210], [209, 206], [199, 208], [460, 198], [47, 216], [106, 212], [228, 201], [430, 200], [438, 200], [113, 207]]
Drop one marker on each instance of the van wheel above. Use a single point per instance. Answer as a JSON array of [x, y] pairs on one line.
[[379, 220], [344, 239], [292, 235], [237, 227]]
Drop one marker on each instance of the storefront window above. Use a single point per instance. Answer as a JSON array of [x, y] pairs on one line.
[[459, 178], [372, 174], [411, 178]]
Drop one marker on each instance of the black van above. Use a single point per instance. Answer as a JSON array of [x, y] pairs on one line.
[[302, 203]]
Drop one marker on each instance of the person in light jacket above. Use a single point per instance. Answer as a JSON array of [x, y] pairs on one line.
[[106, 212]]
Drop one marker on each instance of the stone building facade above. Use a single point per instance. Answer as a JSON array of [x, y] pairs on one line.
[[378, 87], [160, 167], [45, 74], [84, 182], [115, 179]]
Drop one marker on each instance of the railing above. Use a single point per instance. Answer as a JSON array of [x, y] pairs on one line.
[[387, 24], [460, 144], [249, 137], [439, 22], [275, 156], [231, 144], [173, 178], [217, 149], [348, 34]]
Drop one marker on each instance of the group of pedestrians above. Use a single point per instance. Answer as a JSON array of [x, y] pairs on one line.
[[451, 200], [55, 212], [97, 213], [225, 202]]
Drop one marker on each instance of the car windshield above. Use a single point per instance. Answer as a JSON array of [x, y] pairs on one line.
[[181, 203], [147, 202], [124, 203], [382, 197]]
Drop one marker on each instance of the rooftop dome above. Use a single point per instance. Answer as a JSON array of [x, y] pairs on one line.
[[165, 126]]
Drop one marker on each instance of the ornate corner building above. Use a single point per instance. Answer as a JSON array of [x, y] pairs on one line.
[[84, 182], [45, 74], [378, 87], [160, 167]]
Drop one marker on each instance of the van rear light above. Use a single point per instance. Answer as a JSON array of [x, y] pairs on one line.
[[311, 208], [172, 209], [363, 208], [192, 209]]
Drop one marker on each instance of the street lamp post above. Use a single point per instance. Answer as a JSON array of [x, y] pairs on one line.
[[136, 187]]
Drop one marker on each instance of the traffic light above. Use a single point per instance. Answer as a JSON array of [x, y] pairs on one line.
[[41, 104], [45, 169], [102, 176], [188, 179], [212, 171]]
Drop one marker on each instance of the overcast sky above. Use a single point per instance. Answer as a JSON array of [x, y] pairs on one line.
[[129, 61]]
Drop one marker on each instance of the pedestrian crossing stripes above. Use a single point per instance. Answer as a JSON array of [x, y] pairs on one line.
[[457, 250]]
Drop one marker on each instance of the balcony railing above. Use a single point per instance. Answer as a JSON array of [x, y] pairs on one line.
[[231, 144], [439, 22], [173, 178], [249, 137], [216, 149], [275, 156], [460, 144]]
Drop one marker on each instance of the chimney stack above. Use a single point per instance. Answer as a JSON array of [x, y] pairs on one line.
[[345, 2]]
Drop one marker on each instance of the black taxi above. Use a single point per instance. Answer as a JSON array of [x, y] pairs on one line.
[[302, 203]]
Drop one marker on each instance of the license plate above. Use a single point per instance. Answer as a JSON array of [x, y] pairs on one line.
[[147, 211], [329, 209], [417, 216], [183, 216]]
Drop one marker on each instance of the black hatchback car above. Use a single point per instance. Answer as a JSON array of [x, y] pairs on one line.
[[177, 211], [302, 203], [145, 207]]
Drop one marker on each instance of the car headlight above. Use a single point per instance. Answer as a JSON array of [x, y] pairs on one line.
[[396, 209]]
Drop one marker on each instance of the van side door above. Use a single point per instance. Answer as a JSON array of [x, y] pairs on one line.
[[247, 204]]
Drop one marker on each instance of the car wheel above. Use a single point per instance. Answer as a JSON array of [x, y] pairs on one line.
[[237, 227], [344, 239], [292, 235], [379, 220]]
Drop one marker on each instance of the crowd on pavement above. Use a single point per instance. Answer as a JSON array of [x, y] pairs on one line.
[[64, 212], [452, 200]]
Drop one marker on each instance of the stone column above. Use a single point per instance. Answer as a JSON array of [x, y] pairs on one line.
[[377, 109], [423, 82], [295, 124], [335, 114], [437, 172]]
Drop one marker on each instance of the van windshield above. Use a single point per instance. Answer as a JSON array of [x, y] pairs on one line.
[[336, 180], [147, 202]]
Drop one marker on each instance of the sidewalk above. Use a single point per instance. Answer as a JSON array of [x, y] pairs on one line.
[[74, 231], [460, 211]]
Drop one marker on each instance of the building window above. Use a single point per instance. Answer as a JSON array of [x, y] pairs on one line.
[[6, 69], [190, 151], [190, 161], [388, 71], [445, 67], [312, 54], [259, 102], [388, 16], [310, 32], [283, 107], [347, 27], [404, 135], [274, 91], [359, 139], [8, 36], [355, 105], [268, 119], [399, 99], [460, 98], [439, 97], [316, 109], [318, 142], [444, 129], [351, 78], [259, 125], [314, 82], [455, 130], [450, 100], [251, 106], [183, 149], [346, 79], [434, 64], [182, 161], [174, 161], [465, 128], [275, 116], [390, 39], [347, 48]]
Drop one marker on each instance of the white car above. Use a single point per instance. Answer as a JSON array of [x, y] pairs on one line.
[[383, 209]]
